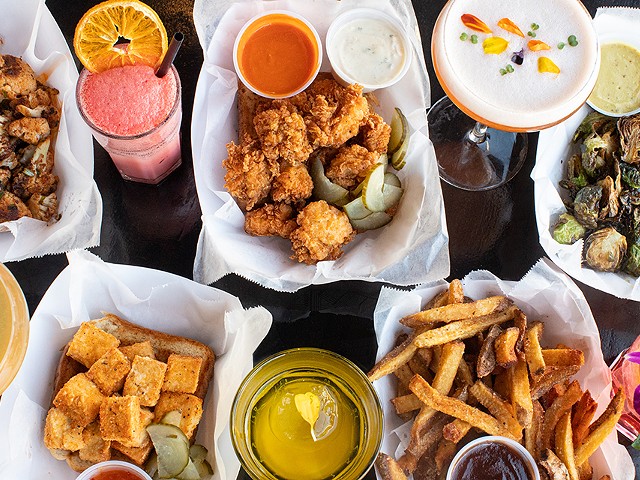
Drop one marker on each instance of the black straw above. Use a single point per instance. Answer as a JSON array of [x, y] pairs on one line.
[[172, 51]]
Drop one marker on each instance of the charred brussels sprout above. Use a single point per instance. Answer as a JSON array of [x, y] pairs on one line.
[[568, 230], [575, 172], [605, 249], [586, 205], [633, 260], [630, 175]]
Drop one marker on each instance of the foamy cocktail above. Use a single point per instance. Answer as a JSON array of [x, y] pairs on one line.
[[516, 65], [136, 117]]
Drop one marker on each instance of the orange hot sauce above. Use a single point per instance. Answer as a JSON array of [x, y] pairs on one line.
[[277, 54], [116, 475]]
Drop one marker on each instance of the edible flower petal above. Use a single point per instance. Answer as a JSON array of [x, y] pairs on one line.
[[636, 399], [474, 23], [494, 45], [633, 357], [546, 65], [537, 45], [308, 406], [509, 26]]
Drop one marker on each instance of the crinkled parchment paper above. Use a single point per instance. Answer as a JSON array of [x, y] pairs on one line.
[[555, 146], [545, 294], [28, 29], [412, 249], [150, 298]]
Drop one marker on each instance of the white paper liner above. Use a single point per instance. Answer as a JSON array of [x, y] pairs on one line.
[[545, 294], [28, 29], [412, 249], [150, 298], [555, 146]]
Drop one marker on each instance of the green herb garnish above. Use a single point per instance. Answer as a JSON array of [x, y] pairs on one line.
[[463, 36], [572, 40], [474, 39]]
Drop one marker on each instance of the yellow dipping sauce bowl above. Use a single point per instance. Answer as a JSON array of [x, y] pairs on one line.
[[14, 327], [270, 426]]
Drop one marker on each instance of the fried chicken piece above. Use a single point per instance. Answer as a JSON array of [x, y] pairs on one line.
[[350, 166], [16, 77], [322, 231], [293, 185], [374, 134], [332, 113], [273, 219], [30, 130], [249, 173], [11, 207], [43, 207], [282, 133]]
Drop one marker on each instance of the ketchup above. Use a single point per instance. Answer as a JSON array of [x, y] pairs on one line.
[[116, 474], [492, 461]]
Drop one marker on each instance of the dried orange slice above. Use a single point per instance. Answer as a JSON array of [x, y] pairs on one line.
[[116, 33]]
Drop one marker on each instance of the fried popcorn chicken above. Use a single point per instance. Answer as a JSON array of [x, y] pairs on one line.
[[292, 185], [374, 134], [16, 77], [322, 230], [249, 173], [349, 167], [282, 133], [271, 219]]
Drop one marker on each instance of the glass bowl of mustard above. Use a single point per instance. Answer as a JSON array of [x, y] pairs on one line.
[[307, 414]]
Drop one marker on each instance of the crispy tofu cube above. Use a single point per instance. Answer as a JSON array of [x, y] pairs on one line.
[[143, 349], [182, 374], [61, 433], [96, 449], [139, 453], [109, 371], [121, 420], [189, 406], [145, 380], [79, 399], [90, 343]]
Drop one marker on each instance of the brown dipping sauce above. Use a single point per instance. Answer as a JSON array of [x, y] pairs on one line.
[[492, 461]]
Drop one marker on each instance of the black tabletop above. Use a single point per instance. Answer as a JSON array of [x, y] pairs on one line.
[[158, 227]]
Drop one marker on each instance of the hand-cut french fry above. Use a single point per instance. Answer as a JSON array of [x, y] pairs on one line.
[[403, 374], [532, 432], [406, 403], [499, 408], [458, 311], [520, 394], [583, 413], [505, 347], [558, 408], [605, 477], [440, 300], [388, 468], [551, 377], [417, 365], [563, 357], [463, 329], [599, 430], [456, 430], [429, 438], [520, 322], [486, 362], [564, 445], [556, 470], [585, 471], [393, 360], [456, 408], [533, 351], [502, 383], [444, 454], [465, 375], [426, 354], [455, 292]]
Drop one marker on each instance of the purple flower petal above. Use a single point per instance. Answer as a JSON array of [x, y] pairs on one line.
[[633, 357], [636, 399]]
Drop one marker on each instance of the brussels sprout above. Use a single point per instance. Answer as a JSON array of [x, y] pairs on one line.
[[629, 128], [633, 260], [609, 198], [593, 123], [605, 249], [630, 175], [586, 206], [592, 162], [575, 172], [568, 230]]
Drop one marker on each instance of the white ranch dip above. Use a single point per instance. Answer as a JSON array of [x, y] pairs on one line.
[[369, 50]]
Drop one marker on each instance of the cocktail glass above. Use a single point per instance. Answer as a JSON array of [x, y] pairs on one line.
[[479, 128]]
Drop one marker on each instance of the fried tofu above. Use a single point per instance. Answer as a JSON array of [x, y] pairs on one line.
[[139, 453], [79, 399], [96, 449], [121, 420], [182, 374], [90, 343], [109, 371], [143, 349], [189, 406], [61, 433], [145, 380]]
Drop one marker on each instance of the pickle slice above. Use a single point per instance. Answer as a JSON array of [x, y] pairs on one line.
[[392, 196], [371, 222], [325, 189], [174, 417], [399, 131], [372, 195], [197, 453], [190, 472], [172, 449], [356, 210], [398, 157]]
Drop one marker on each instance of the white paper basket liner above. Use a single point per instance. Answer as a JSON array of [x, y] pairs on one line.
[[150, 298]]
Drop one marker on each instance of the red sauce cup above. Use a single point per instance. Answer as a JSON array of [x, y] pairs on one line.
[[114, 470]]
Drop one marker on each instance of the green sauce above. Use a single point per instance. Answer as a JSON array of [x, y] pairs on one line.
[[617, 89]]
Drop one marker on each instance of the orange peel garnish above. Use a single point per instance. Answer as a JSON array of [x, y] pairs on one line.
[[494, 45], [509, 26], [546, 65], [474, 23], [537, 45]]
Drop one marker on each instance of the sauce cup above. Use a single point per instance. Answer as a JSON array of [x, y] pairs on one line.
[[113, 469], [273, 438], [14, 327], [368, 47], [277, 54], [476, 445]]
